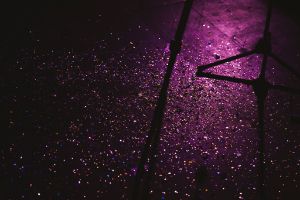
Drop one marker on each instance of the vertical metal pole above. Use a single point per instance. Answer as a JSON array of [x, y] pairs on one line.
[[261, 90], [151, 146]]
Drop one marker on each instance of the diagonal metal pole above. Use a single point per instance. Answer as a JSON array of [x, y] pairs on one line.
[[226, 78], [142, 178], [223, 61]]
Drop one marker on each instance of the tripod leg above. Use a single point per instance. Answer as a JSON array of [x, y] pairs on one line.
[[204, 67], [226, 78], [284, 64], [140, 173], [260, 87], [153, 137], [261, 105], [268, 18], [141, 187]]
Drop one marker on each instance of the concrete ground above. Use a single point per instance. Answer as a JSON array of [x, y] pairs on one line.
[[80, 83]]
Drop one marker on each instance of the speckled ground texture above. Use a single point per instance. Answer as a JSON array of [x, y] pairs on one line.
[[80, 85]]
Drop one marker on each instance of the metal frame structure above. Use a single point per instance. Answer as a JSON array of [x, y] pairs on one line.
[[260, 85]]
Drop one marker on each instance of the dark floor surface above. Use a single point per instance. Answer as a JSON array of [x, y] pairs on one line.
[[80, 81]]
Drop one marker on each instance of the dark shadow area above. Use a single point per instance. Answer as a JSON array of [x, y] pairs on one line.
[[201, 178]]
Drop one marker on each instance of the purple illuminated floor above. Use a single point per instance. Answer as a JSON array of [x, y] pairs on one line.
[[79, 102]]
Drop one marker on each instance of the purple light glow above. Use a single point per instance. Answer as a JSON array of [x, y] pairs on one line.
[[81, 118]]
